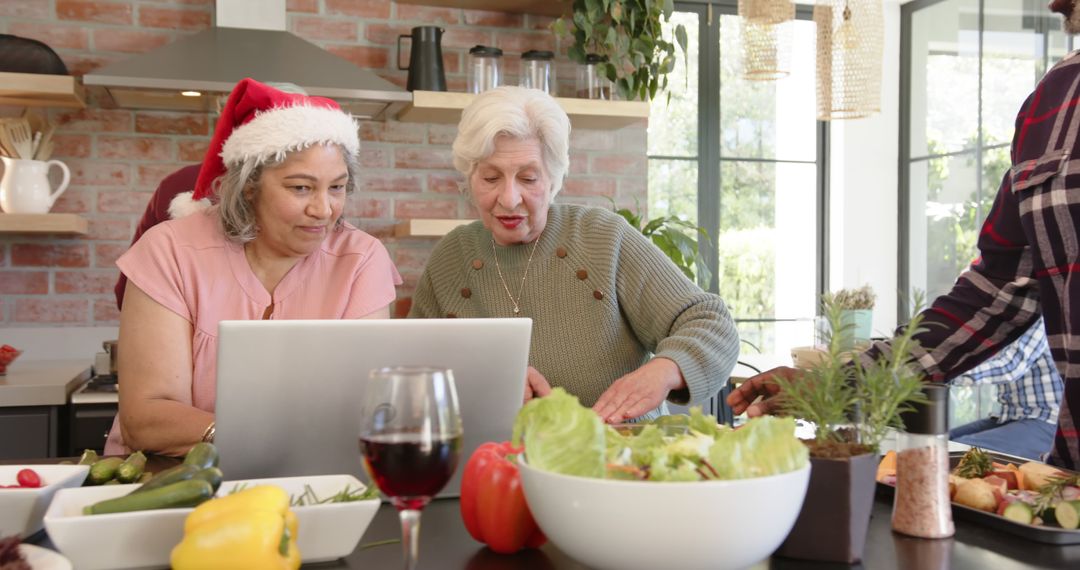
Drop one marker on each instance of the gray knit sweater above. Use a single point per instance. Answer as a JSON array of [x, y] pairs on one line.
[[603, 300]]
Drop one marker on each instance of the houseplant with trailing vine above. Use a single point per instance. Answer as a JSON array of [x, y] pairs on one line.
[[628, 35]]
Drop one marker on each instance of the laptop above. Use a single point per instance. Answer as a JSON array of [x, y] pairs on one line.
[[289, 391]]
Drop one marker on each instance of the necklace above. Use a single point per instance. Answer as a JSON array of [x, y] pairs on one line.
[[521, 288]]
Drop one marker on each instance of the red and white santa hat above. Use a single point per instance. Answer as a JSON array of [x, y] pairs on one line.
[[261, 123]]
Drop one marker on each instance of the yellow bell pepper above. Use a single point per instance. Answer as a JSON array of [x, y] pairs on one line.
[[253, 528]]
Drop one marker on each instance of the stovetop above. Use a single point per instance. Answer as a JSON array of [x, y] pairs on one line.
[[100, 389], [101, 383]]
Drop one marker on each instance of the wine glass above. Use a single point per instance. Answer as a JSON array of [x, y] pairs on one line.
[[410, 437]]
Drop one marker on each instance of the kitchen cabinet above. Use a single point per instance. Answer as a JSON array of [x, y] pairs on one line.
[[539, 7], [40, 90], [30, 431], [43, 224], [446, 107]]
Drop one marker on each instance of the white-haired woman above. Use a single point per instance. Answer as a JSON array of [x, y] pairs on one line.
[[614, 321], [274, 246]]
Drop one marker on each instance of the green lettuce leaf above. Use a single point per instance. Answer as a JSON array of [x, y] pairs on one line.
[[764, 446], [561, 435]]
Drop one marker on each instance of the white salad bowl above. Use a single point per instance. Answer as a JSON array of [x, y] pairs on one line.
[[607, 523], [146, 538], [21, 510]]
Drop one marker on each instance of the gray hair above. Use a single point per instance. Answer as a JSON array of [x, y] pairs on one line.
[[520, 113], [237, 212]]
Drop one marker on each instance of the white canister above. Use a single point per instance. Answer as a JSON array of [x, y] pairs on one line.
[[25, 188]]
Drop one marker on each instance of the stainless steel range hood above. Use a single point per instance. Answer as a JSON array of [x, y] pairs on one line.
[[208, 64]]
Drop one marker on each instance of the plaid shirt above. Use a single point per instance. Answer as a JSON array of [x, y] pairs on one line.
[[1028, 383], [1030, 249]]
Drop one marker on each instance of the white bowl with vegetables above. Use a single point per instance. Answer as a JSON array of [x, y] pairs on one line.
[[712, 498], [22, 506], [144, 538]]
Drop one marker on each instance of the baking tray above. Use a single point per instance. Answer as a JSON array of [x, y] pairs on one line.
[[1043, 534]]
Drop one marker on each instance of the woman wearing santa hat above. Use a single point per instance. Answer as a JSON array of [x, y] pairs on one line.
[[274, 245]]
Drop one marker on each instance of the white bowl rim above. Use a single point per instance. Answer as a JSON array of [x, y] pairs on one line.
[[74, 470], [137, 514], [653, 484]]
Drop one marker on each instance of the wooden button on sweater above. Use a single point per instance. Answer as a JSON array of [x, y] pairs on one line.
[[478, 264], [451, 315], [561, 252], [598, 295], [582, 274], [466, 292]]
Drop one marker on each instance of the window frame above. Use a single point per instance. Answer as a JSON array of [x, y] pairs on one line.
[[907, 11], [709, 170]]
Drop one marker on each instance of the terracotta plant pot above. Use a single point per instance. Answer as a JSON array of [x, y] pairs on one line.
[[836, 513]]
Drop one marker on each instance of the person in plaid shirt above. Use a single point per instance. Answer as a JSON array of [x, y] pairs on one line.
[[1030, 249], [1028, 393]]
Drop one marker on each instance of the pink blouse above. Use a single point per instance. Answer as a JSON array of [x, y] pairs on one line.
[[192, 269]]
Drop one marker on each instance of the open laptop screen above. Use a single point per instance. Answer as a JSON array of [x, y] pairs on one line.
[[288, 391]]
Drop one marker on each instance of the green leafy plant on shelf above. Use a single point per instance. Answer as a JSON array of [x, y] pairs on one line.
[[854, 403], [628, 34], [672, 236]]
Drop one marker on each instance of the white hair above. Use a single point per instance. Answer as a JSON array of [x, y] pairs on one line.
[[516, 112]]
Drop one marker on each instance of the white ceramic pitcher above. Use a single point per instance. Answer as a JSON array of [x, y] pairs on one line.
[[25, 187]]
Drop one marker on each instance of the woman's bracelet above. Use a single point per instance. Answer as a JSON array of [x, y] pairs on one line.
[[208, 435]]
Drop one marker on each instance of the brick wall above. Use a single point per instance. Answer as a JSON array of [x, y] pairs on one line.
[[118, 156]]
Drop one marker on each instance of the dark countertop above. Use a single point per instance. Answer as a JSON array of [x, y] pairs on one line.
[[445, 544]]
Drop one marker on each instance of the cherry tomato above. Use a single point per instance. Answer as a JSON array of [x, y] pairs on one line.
[[28, 478]]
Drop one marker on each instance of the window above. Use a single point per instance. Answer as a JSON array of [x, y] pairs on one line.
[[967, 66], [741, 159]]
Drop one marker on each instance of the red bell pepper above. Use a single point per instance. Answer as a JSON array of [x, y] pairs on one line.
[[493, 502]]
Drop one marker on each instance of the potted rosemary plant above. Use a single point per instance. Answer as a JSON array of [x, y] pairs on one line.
[[853, 406]]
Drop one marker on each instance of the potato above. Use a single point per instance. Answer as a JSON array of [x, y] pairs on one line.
[[977, 494], [1037, 474]]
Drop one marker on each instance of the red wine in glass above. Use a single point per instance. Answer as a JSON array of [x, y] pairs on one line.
[[410, 438], [410, 468]]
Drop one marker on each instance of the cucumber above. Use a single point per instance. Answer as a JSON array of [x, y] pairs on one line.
[[111, 482], [132, 468], [1019, 511], [104, 469], [203, 455], [146, 476], [89, 457], [1067, 514], [211, 475], [176, 496], [168, 477]]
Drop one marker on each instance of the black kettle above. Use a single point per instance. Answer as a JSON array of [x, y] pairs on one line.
[[426, 71]]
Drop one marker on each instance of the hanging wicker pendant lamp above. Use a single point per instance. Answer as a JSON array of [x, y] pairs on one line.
[[766, 31], [849, 49]]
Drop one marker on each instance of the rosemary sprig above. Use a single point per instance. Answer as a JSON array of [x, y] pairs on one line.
[[1052, 490], [346, 495], [974, 464]]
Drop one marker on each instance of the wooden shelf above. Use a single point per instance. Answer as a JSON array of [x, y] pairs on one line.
[[42, 224], [38, 90], [427, 227], [541, 7], [446, 107]]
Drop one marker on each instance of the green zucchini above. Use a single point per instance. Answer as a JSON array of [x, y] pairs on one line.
[[1067, 514], [132, 468], [1019, 511], [168, 477], [104, 470], [176, 496], [211, 475], [203, 455], [89, 457]]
